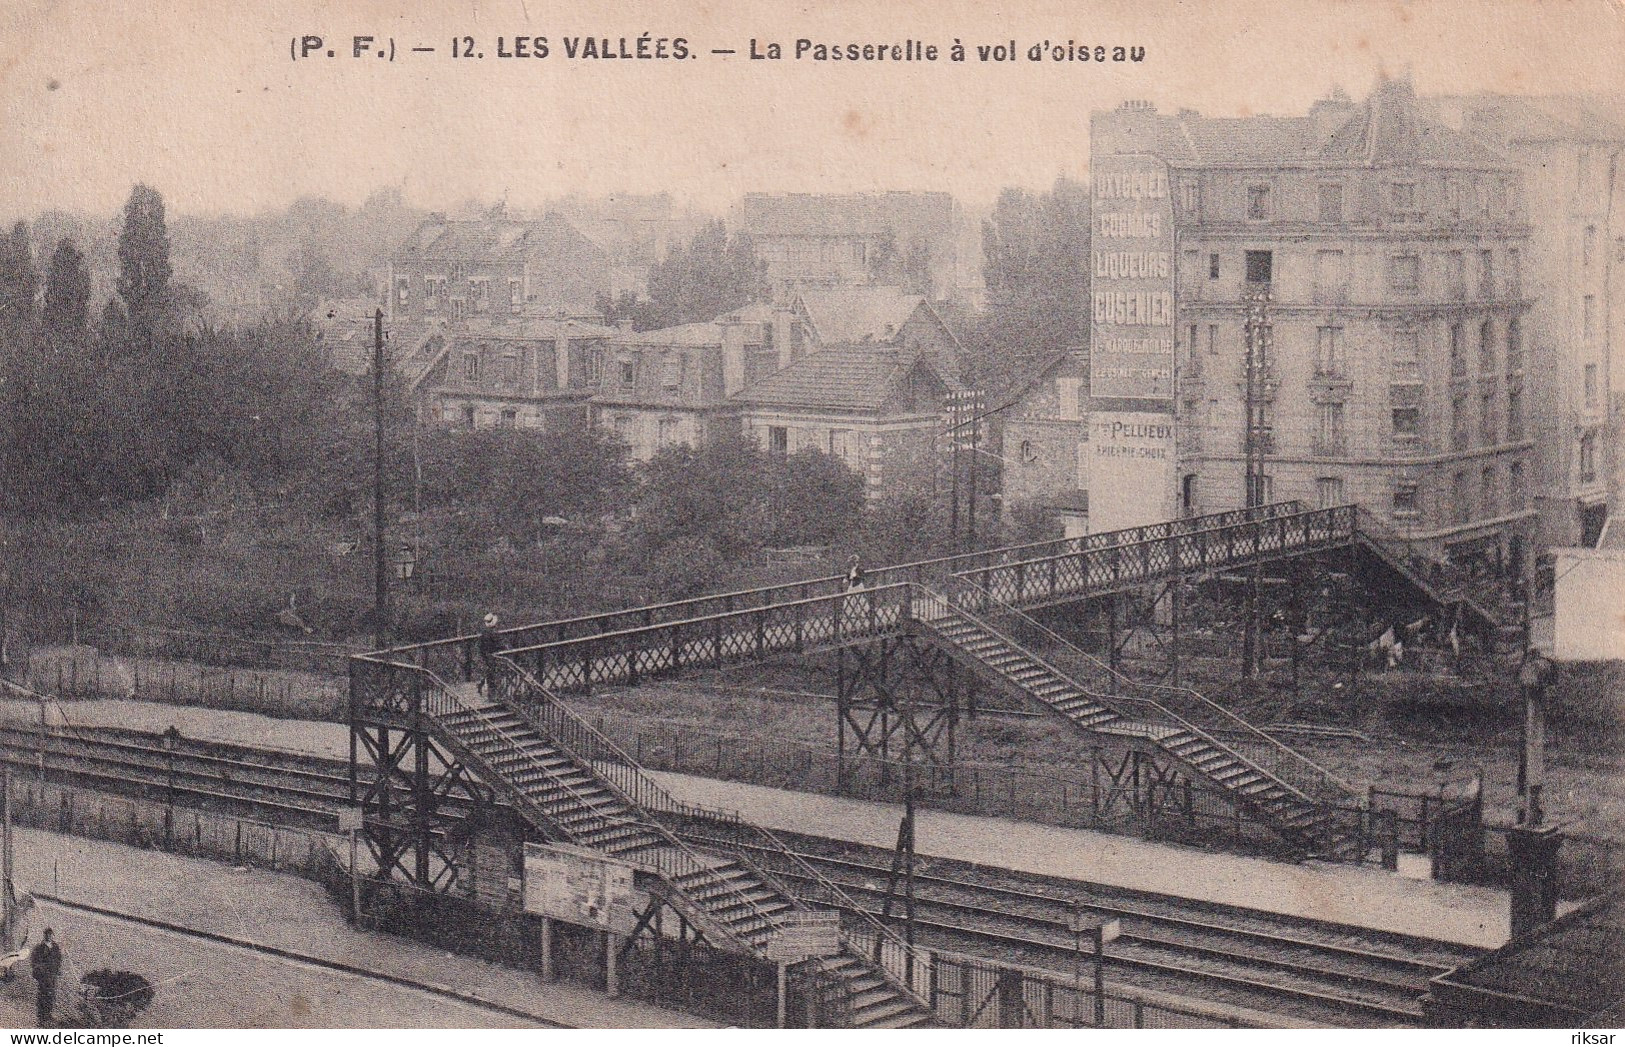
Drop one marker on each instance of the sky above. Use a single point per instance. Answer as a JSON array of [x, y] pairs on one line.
[[204, 101]]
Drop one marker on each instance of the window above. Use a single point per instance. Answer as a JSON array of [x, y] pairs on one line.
[[665, 432], [778, 439], [1407, 356], [1407, 498], [1190, 196], [1458, 351], [671, 374], [1458, 423], [469, 415], [459, 271], [1486, 419], [1402, 199], [1028, 454], [1486, 274], [1588, 458], [1460, 500], [1213, 339], [1455, 271], [471, 367], [1329, 491], [1259, 266], [458, 307], [1588, 246], [1514, 345], [516, 296], [1588, 318], [1407, 422], [1328, 351], [403, 291], [1331, 283], [1453, 197], [623, 425], [510, 418], [480, 291], [1213, 266], [1489, 501], [595, 366], [1331, 202], [1329, 440], [1486, 347], [1516, 498], [1258, 202], [1404, 272], [629, 374], [1514, 414], [510, 369], [1514, 272], [1187, 493], [1591, 385], [1193, 355], [434, 289]]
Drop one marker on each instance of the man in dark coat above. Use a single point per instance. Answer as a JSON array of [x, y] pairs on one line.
[[490, 646], [46, 960]]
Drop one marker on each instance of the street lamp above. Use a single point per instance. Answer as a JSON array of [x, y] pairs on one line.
[[1100, 929], [1534, 679]]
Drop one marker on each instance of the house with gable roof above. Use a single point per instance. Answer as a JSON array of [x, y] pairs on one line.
[[877, 408]]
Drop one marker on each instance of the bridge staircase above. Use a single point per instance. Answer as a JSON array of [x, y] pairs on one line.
[[574, 786], [1301, 802]]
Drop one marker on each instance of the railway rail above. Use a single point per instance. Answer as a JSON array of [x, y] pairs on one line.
[[1316, 972]]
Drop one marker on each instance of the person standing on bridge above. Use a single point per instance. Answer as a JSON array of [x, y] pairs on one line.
[[490, 646], [854, 574], [46, 960]]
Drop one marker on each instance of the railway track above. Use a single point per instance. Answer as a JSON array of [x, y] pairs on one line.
[[1314, 972]]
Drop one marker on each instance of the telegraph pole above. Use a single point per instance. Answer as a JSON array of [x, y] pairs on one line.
[[1256, 299], [380, 597]]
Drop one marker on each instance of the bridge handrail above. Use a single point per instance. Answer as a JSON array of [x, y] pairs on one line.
[[770, 595], [1325, 781], [585, 743], [676, 859], [1297, 511]]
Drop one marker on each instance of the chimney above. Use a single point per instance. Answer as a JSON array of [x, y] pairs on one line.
[[733, 357], [1332, 112], [784, 325]]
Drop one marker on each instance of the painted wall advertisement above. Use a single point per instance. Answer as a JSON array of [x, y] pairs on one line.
[[1132, 467]]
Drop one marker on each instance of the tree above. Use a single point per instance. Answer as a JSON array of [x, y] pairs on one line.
[[714, 274], [144, 269], [19, 282], [1035, 251], [908, 268], [67, 295], [818, 499]]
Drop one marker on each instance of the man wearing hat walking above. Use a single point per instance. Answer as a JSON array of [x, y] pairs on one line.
[[490, 647]]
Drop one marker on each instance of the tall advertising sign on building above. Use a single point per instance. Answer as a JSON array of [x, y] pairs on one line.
[[1132, 468]]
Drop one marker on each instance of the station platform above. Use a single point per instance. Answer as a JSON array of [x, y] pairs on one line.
[[202, 983], [1359, 896]]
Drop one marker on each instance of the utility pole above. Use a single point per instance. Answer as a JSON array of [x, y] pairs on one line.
[[380, 599], [1256, 299]]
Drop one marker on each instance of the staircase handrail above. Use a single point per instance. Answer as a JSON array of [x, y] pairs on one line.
[[1455, 587], [676, 859], [831, 894], [660, 800], [1325, 780]]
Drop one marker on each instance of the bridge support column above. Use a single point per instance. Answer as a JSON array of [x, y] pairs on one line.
[[898, 699]]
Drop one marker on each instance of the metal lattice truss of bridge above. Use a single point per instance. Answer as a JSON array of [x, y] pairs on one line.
[[427, 745]]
